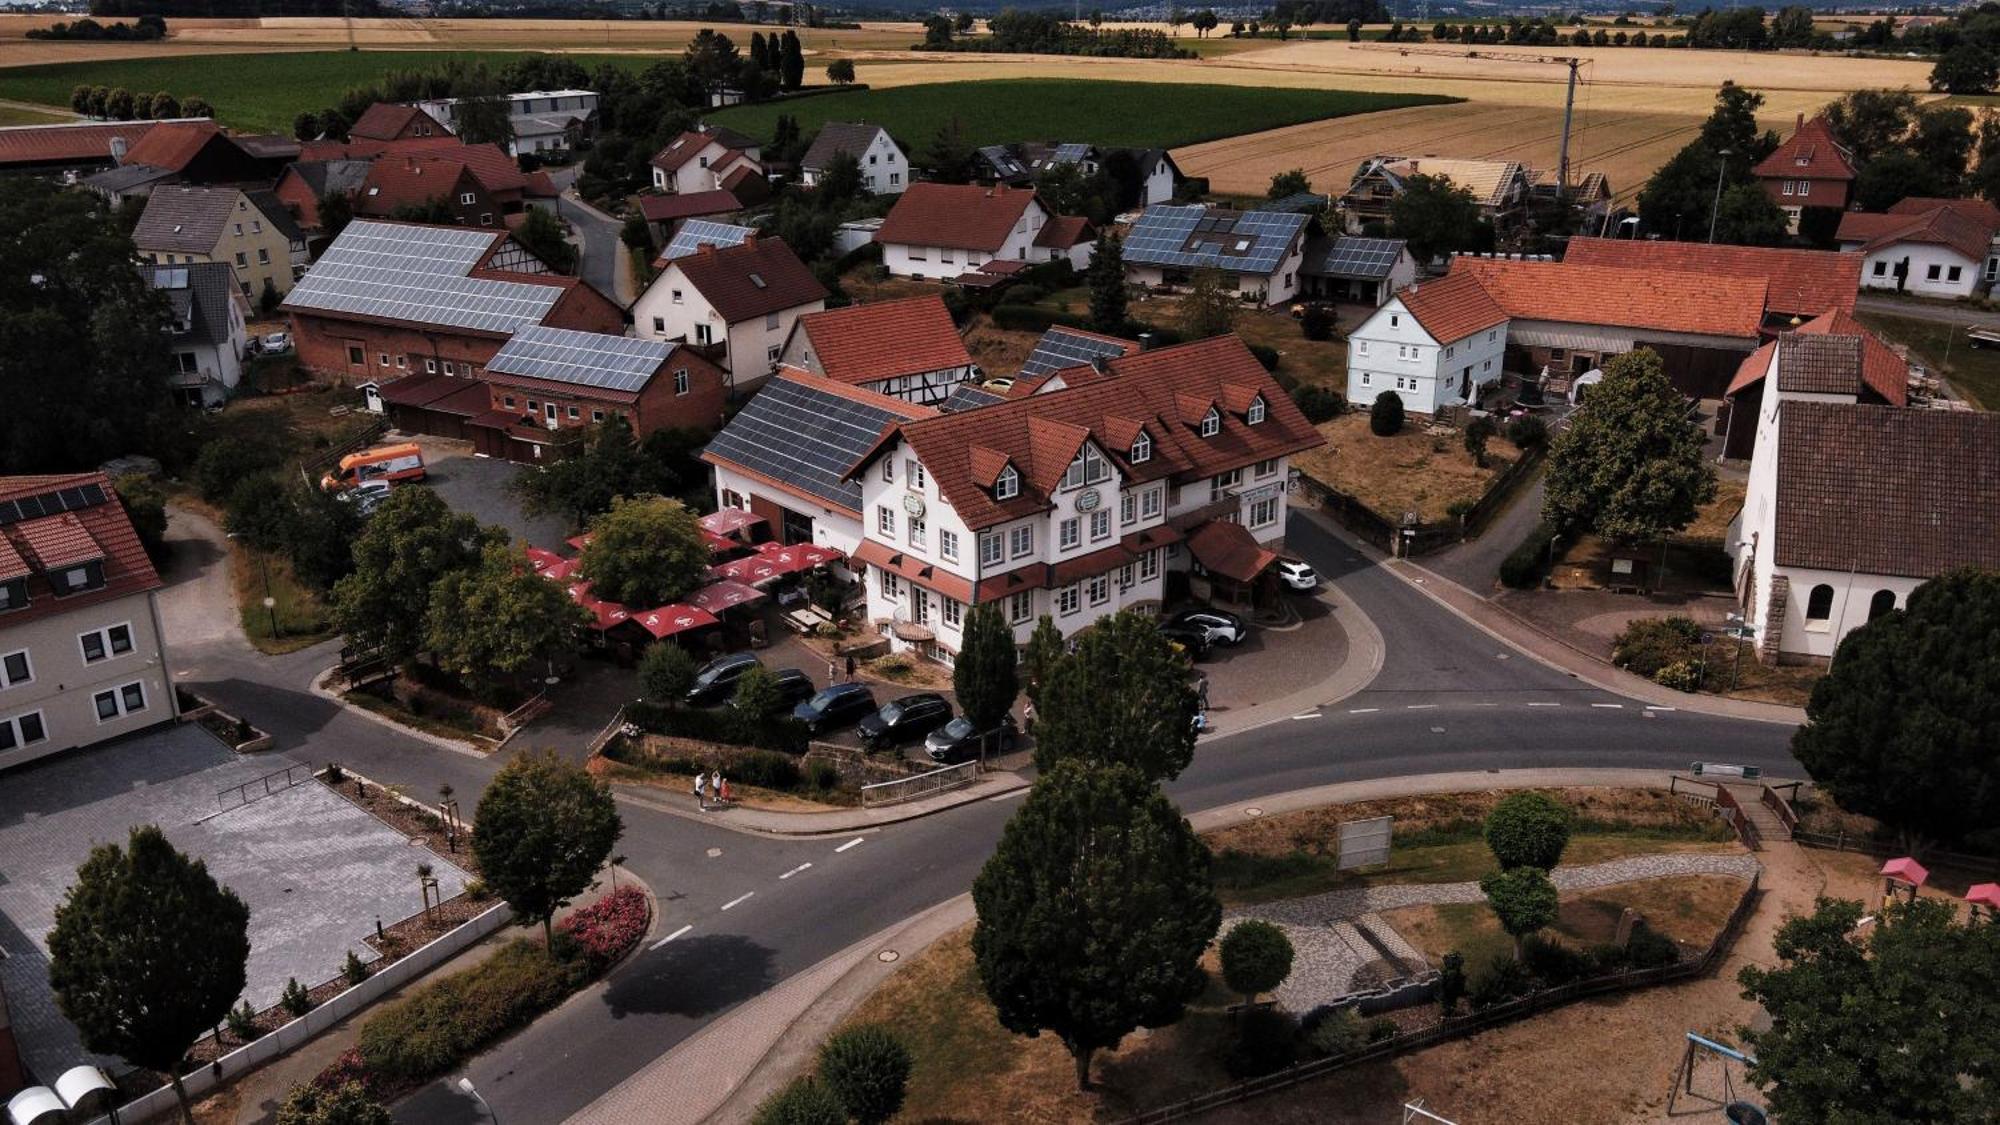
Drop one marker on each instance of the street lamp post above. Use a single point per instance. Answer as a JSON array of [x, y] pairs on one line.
[[1716, 208]]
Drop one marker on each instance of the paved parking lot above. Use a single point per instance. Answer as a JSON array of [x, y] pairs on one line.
[[315, 870], [477, 486]]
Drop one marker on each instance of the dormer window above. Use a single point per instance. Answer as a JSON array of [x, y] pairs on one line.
[[1142, 448], [13, 594], [1255, 414], [1007, 485], [1088, 467], [1211, 422]]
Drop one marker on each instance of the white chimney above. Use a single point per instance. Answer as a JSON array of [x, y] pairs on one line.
[[117, 150]]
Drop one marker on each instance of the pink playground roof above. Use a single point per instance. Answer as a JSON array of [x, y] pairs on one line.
[[1907, 870]]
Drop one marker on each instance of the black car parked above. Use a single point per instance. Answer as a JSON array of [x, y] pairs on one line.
[[835, 707], [957, 742], [911, 717], [1193, 639], [716, 681], [794, 687]]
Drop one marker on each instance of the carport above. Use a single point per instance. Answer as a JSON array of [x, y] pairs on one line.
[[1236, 567], [435, 404]]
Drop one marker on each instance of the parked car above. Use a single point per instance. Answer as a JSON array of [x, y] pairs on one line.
[[400, 462], [794, 687], [716, 681], [1193, 639], [835, 707], [957, 742], [905, 719], [276, 343], [366, 496], [1221, 626], [1298, 575]]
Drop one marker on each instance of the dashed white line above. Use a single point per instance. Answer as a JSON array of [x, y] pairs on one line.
[[737, 901], [1022, 792], [672, 936], [1420, 706], [1362, 710], [1656, 707], [1545, 705], [1307, 715], [849, 844], [1610, 706], [794, 871]]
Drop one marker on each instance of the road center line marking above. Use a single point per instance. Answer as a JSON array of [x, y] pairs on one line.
[[1610, 706], [1307, 715], [1545, 705], [1655, 707], [794, 871], [848, 844], [737, 901], [1362, 710], [672, 936], [1022, 792], [1420, 706]]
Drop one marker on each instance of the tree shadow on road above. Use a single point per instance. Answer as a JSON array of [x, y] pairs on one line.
[[695, 976]]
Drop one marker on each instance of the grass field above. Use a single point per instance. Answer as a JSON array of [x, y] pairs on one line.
[[22, 115], [1105, 113], [1941, 346]]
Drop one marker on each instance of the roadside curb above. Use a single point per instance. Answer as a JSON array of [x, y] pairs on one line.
[[784, 826], [319, 688], [1365, 653]]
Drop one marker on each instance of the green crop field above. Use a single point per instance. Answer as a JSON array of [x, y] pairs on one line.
[[259, 93], [1124, 114]]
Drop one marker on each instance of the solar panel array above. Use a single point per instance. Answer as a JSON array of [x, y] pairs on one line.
[[589, 359], [1070, 154], [694, 232], [967, 396], [1194, 237], [1062, 347], [1003, 161], [418, 274], [803, 437], [51, 503], [1365, 258]]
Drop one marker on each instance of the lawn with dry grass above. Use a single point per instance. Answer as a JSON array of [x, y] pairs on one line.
[[1438, 840], [968, 1067], [1696, 559], [1411, 471]]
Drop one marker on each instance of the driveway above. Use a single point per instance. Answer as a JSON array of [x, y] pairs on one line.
[[600, 248], [1940, 311], [478, 486]]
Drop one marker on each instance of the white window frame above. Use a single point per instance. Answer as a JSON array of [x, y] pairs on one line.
[[1069, 600], [1267, 467], [888, 470], [1128, 508], [12, 725], [1264, 512], [1211, 422], [947, 544], [27, 658], [1256, 412], [917, 530], [681, 381], [1142, 448], [1069, 533], [953, 613], [1149, 565], [885, 520], [120, 706], [1021, 541], [1021, 606], [103, 635], [991, 549], [914, 476], [1100, 524], [1007, 485], [892, 585], [1100, 589]]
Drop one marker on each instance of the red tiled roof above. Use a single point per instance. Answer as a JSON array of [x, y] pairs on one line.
[[884, 339], [171, 144], [1885, 373], [915, 569], [1565, 292], [408, 181], [1065, 231], [1040, 434], [683, 148], [687, 205], [1810, 153], [385, 121], [1230, 550], [1452, 308], [66, 539], [541, 185], [1966, 230], [1887, 490], [1803, 282], [755, 277], [364, 148], [82, 142], [497, 171], [1977, 210], [961, 216]]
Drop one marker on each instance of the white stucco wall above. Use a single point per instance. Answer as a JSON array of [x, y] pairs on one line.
[[1922, 256], [832, 527], [904, 260], [1390, 351]]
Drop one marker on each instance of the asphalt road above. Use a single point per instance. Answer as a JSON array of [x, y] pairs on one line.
[[599, 235], [743, 913]]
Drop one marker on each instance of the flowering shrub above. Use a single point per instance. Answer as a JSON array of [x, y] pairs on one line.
[[347, 1068], [605, 929]]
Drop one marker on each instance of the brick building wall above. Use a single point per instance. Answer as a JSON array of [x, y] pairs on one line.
[[660, 406], [1817, 193], [324, 347]]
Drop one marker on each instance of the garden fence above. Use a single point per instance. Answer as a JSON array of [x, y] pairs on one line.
[[1842, 840], [1456, 1027], [1421, 538], [920, 785]]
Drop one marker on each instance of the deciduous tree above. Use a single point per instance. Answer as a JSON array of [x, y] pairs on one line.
[[1967, 68], [1523, 900], [840, 72], [645, 552], [541, 233], [1292, 182], [1902, 727], [1436, 216], [495, 620], [1630, 465], [1894, 176], [1093, 911], [147, 953], [1529, 829], [1385, 415], [1895, 1026], [543, 830], [1256, 958], [666, 673], [1209, 309], [1871, 122], [347, 1104], [1123, 698], [410, 542]]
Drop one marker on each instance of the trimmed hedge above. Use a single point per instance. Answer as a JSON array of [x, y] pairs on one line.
[[1265, 355], [445, 1022], [1319, 404], [1649, 645], [1524, 567], [725, 724]]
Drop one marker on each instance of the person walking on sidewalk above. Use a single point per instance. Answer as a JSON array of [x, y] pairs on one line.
[[721, 789], [700, 798], [832, 672], [850, 667]]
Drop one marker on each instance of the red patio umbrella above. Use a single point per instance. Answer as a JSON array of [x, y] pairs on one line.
[[718, 596], [751, 569], [727, 521], [670, 619]]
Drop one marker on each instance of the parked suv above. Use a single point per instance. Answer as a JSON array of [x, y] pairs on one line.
[[957, 742], [794, 687], [835, 707], [717, 679], [905, 719], [1222, 627], [1297, 574], [1193, 639]]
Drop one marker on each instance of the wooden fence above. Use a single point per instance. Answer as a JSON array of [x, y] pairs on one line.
[[1422, 538], [1457, 1027]]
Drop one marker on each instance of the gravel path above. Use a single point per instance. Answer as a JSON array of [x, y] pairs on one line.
[[1326, 929]]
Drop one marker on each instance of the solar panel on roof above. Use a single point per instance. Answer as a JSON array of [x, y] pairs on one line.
[[695, 232], [1173, 237], [1060, 347], [966, 396], [50, 503], [1367, 258], [802, 437], [418, 274], [590, 359]]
